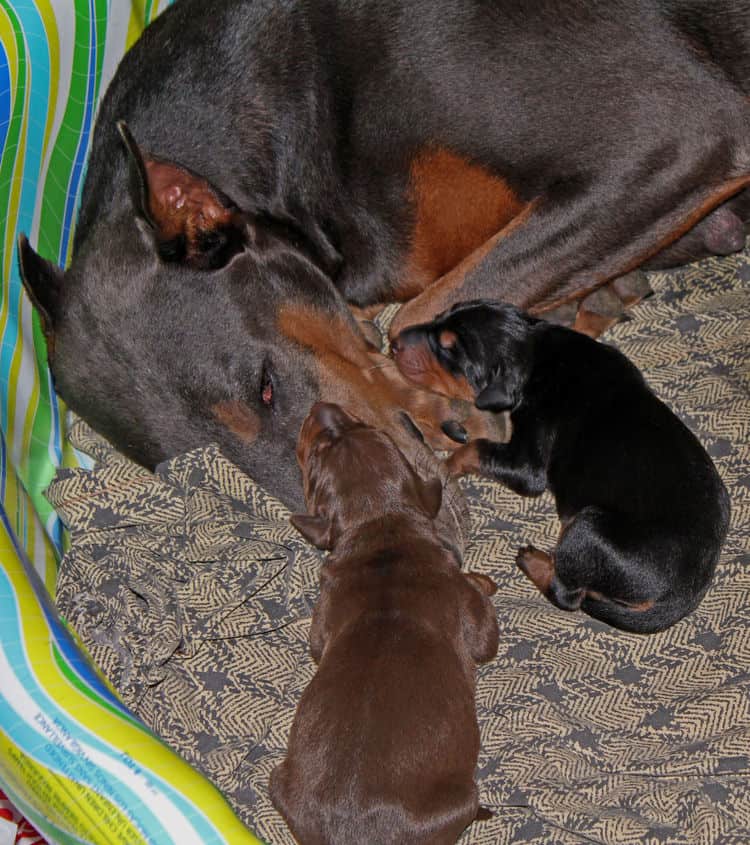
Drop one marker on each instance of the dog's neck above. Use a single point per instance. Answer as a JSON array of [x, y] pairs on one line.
[[392, 531]]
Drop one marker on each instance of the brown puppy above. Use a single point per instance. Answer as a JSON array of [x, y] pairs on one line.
[[385, 739]]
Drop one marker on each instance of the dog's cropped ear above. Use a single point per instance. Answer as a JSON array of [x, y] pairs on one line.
[[431, 496], [315, 529], [42, 281], [190, 219]]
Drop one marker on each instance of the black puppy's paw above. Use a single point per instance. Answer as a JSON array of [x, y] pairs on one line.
[[537, 566]]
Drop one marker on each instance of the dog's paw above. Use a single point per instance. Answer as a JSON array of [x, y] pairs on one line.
[[537, 566]]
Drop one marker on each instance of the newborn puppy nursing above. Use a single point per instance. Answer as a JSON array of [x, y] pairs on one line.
[[644, 513], [385, 739]]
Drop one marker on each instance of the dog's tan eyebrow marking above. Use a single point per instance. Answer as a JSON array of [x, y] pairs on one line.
[[238, 418]]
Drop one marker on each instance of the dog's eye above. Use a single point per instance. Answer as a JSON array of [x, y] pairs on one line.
[[266, 386]]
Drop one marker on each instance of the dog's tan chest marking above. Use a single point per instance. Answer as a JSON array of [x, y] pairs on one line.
[[457, 206]]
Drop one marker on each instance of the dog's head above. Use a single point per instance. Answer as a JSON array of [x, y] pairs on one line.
[[354, 473], [185, 320], [480, 350]]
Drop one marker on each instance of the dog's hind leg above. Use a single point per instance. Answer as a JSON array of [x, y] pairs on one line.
[[611, 571], [539, 568]]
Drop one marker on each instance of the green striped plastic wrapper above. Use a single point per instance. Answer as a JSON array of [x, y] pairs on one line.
[[72, 758]]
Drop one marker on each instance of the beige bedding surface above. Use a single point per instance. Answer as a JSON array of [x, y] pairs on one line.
[[193, 593]]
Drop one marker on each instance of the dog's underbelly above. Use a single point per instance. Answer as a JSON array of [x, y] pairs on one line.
[[457, 205]]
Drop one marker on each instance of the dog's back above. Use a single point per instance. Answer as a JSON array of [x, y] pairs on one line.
[[385, 738], [638, 495], [644, 512], [385, 741]]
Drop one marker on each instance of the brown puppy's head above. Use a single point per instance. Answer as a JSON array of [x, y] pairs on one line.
[[481, 349], [352, 474]]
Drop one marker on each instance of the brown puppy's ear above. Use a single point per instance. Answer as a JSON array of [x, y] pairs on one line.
[[42, 281], [191, 220], [430, 496], [315, 529]]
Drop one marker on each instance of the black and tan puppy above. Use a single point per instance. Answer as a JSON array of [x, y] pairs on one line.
[[643, 510], [385, 740]]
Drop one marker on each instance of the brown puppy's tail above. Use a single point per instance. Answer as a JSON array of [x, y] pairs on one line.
[[483, 813]]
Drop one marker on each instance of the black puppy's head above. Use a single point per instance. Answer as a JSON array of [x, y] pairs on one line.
[[480, 348]]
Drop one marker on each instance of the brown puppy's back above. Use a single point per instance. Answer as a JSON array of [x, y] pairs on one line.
[[385, 740]]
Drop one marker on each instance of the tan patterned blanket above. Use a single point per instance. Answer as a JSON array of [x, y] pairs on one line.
[[193, 593]]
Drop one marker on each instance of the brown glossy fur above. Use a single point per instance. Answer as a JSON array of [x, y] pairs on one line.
[[385, 739]]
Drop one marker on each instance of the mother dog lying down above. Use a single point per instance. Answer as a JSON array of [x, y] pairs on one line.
[[276, 160]]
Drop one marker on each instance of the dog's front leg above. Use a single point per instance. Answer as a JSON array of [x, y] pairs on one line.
[[567, 243], [521, 464]]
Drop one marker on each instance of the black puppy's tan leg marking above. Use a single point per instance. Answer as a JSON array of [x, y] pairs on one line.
[[537, 566], [639, 607]]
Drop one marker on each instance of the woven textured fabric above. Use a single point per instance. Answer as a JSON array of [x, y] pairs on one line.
[[588, 734]]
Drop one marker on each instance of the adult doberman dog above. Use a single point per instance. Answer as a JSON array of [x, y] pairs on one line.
[[258, 165]]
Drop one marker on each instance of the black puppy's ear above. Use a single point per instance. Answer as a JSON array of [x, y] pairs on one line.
[[495, 397], [42, 281], [431, 496], [315, 529], [191, 220]]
